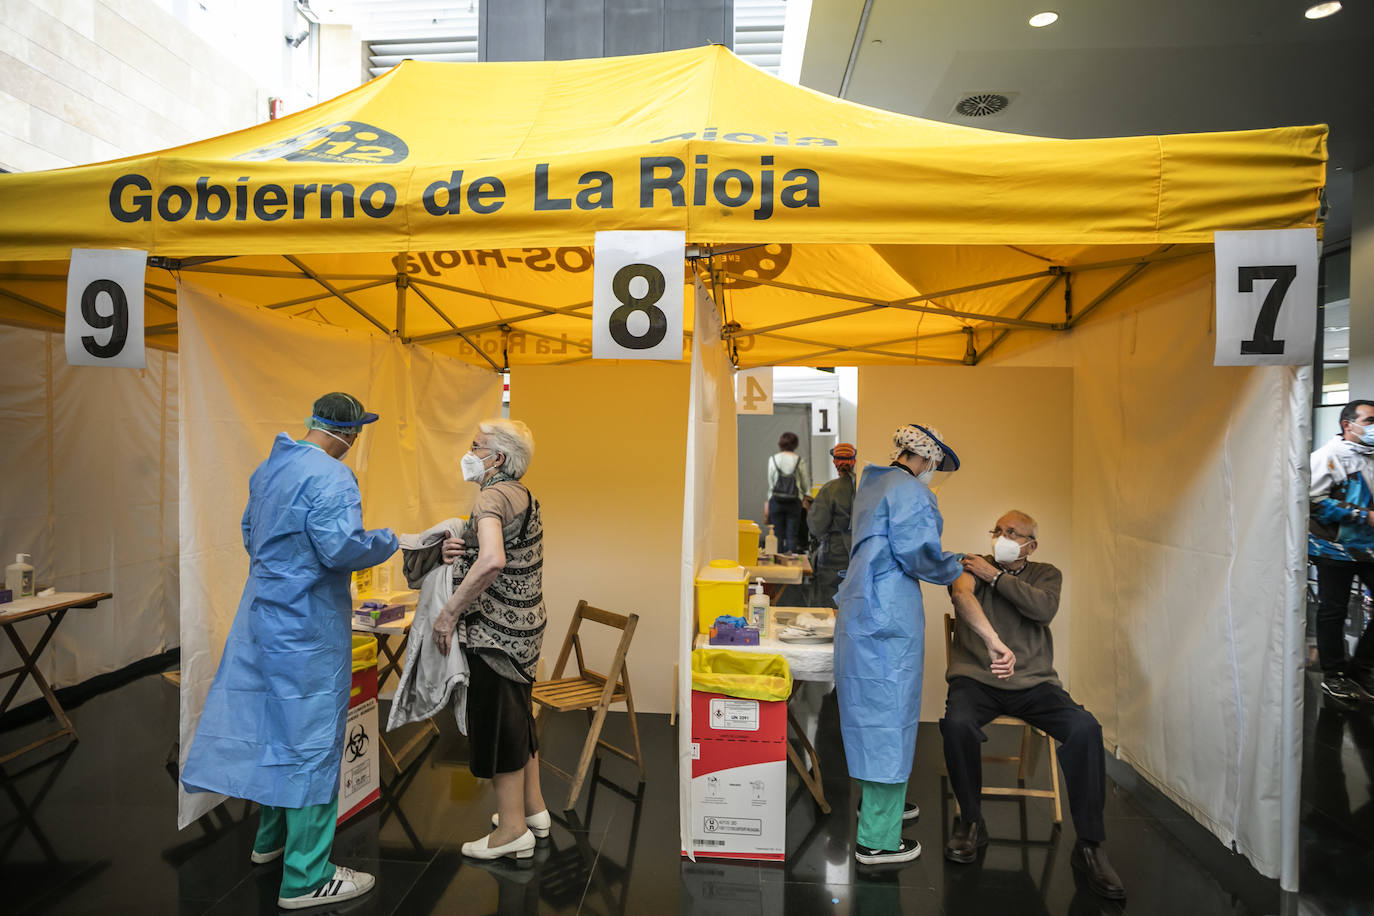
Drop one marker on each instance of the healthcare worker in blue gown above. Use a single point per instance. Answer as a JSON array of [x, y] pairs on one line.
[[272, 729], [880, 633]]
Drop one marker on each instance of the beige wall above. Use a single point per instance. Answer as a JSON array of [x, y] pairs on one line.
[[608, 471], [1013, 431], [90, 80]]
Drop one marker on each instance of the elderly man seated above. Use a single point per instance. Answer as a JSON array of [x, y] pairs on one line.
[[1002, 663]]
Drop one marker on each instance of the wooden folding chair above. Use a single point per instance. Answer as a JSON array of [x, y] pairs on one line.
[[591, 691], [1023, 758]]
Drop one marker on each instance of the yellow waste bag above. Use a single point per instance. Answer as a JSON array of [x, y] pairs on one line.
[[364, 652], [751, 675]]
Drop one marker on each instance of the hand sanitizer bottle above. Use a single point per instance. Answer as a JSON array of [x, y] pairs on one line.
[[19, 577], [758, 607]]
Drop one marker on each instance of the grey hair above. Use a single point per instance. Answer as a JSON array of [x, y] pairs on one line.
[[513, 439]]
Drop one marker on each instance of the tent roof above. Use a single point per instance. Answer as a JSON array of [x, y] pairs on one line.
[[823, 204]]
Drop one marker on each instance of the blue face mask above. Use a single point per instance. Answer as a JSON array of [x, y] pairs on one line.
[[1366, 434]]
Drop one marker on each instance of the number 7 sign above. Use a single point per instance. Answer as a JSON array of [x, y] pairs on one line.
[[1266, 297]]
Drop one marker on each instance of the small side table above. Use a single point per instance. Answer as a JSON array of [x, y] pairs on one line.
[[55, 608]]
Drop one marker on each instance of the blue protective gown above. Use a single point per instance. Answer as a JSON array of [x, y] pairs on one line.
[[880, 627], [273, 725]]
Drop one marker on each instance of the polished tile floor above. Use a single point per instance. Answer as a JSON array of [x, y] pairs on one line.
[[91, 829]]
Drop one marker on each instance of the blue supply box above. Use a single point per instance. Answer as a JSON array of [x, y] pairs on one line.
[[733, 631]]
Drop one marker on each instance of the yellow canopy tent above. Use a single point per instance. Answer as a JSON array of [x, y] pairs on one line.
[[455, 204]]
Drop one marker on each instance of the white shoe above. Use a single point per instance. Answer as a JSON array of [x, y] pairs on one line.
[[345, 885], [906, 851], [262, 858], [539, 824], [522, 847]]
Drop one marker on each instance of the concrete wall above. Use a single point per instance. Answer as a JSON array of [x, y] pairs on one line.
[[567, 29], [89, 80]]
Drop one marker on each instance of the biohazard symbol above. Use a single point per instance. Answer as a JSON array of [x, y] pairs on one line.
[[357, 743]]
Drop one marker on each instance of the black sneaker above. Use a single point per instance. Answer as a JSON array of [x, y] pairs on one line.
[[1341, 689], [905, 852], [909, 813]]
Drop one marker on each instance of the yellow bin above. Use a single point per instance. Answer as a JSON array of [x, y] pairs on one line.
[[721, 590], [748, 542]]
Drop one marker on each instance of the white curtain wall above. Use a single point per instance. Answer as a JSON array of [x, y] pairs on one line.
[[248, 374], [90, 469]]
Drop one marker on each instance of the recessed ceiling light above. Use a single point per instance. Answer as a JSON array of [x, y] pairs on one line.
[[1322, 10], [1040, 20]]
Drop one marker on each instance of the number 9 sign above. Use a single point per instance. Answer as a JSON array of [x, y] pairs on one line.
[[637, 295], [105, 308]]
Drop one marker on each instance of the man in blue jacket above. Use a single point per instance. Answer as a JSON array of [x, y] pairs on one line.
[[272, 729], [1340, 542]]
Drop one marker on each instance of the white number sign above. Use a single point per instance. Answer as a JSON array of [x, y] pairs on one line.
[[754, 391], [825, 419], [105, 308], [1266, 297], [637, 295]]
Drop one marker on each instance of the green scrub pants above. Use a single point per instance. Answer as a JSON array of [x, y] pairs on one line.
[[880, 814], [308, 835]]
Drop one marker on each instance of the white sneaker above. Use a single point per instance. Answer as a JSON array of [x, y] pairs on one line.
[[345, 885], [539, 824], [262, 858], [906, 851], [522, 847]]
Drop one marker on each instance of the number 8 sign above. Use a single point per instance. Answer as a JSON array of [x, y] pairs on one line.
[[1266, 297], [105, 308], [637, 295]]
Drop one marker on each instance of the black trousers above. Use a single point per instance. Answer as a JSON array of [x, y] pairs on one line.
[[1334, 579], [972, 705], [785, 515]]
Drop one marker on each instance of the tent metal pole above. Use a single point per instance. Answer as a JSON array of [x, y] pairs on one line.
[[471, 328], [438, 311], [158, 299], [33, 303], [248, 271], [854, 49], [1155, 258], [402, 281], [1036, 300], [340, 294], [910, 303], [801, 321], [316, 297], [830, 351], [1110, 291]]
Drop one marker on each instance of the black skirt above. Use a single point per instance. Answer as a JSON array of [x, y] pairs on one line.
[[501, 734]]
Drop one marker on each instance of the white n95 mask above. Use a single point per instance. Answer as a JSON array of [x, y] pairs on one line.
[[1005, 550], [472, 467]]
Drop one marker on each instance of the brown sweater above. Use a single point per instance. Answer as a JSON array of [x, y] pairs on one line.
[[1020, 608]]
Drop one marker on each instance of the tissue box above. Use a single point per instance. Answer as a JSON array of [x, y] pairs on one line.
[[725, 632], [385, 614]]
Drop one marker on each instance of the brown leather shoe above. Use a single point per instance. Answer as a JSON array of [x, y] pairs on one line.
[[1101, 877], [966, 840]]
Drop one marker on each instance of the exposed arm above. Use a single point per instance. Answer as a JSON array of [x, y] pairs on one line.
[[967, 609], [491, 559]]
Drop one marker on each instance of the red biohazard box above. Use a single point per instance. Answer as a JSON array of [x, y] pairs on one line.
[[739, 777], [359, 777]]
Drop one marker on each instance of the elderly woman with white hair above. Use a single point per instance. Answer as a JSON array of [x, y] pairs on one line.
[[880, 633], [497, 615]]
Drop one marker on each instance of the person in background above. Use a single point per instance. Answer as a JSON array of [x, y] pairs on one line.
[[1340, 542], [880, 633], [497, 616], [273, 725], [828, 520], [1001, 662], [787, 484]]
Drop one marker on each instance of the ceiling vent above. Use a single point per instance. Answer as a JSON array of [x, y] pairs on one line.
[[982, 104]]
